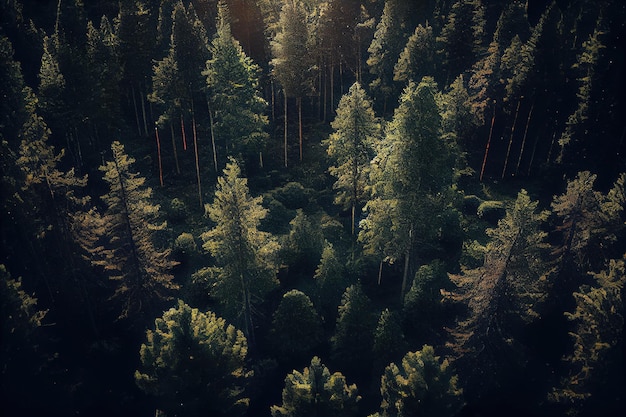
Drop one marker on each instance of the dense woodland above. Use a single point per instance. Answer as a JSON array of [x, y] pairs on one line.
[[318, 208]]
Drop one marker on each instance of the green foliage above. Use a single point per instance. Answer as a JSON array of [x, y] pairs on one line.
[[296, 327], [245, 255], [315, 392], [122, 239], [421, 386], [502, 295], [353, 339], [491, 210], [185, 243], [194, 364], [597, 336], [330, 281], [351, 147], [303, 245], [389, 344], [232, 82], [417, 60]]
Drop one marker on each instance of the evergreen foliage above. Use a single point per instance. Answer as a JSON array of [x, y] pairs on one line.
[[245, 255], [194, 363], [121, 240], [315, 392], [421, 386]]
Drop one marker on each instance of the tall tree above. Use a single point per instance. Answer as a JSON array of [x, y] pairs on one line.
[[232, 82], [422, 385], [291, 61], [417, 60], [412, 180], [503, 293], [246, 256], [351, 147], [194, 363], [315, 392], [122, 239]]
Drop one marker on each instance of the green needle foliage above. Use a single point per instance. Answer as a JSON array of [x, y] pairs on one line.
[[315, 392], [194, 364], [245, 256], [422, 386]]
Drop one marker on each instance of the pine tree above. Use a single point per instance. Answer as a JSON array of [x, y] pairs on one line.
[[351, 147], [389, 342], [330, 282], [598, 321], [421, 386], [417, 60], [353, 339], [412, 178], [315, 392], [503, 294], [296, 327], [194, 364], [232, 82], [122, 239], [291, 63], [245, 256]]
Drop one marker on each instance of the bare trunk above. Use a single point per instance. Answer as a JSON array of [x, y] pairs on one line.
[[182, 131], [143, 112], [212, 134], [521, 152], [332, 88], [195, 150], [380, 272], [285, 128], [493, 119], [156, 131], [174, 148], [299, 102], [508, 149], [132, 89]]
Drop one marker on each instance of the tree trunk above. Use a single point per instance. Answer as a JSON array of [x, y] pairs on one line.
[[143, 112], [156, 131], [493, 118], [174, 148], [132, 89], [508, 149], [212, 134], [380, 272], [299, 103], [182, 131], [195, 149], [407, 264], [285, 128], [521, 152]]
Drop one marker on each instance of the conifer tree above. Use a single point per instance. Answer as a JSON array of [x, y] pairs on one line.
[[353, 339], [351, 147], [122, 239], [315, 392], [597, 334], [296, 327], [232, 81], [290, 62], [194, 364], [330, 282], [503, 294], [417, 60], [389, 342], [412, 178], [245, 255], [422, 385]]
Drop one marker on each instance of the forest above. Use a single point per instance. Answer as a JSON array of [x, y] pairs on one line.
[[323, 208]]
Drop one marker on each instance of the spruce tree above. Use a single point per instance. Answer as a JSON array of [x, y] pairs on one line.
[[351, 147], [121, 240], [194, 363], [245, 256], [315, 392], [417, 60]]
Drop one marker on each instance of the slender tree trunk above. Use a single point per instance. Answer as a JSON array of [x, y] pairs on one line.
[[212, 134], [405, 273], [521, 152], [325, 100], [299, 103], [493, 119], [273, 93], [156, 131], [332, 88], [132, 89], [182, 131], [174, 148], [508, 149], [532, 155], [195, 150], [380, 272], [143, 112], [285, 128], [341, 77]]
